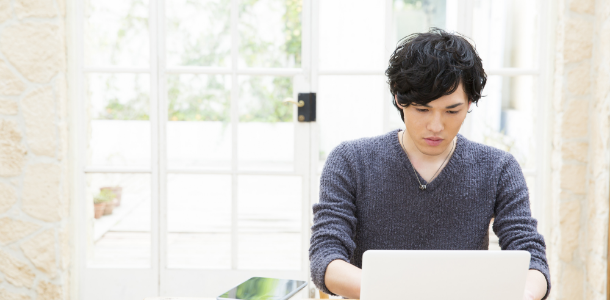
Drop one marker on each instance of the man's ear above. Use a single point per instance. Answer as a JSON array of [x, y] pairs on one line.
[[469, 102]]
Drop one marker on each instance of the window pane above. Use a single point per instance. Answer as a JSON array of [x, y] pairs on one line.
[[506, 32], [346, 113], [119, 109], [270, 33], [505, 119], [412, 16], [121, 237], [266, 128], [199, 128], [198, 33], [269, 251], [116, 33], [199, 221], [352, 35], [269, 222]]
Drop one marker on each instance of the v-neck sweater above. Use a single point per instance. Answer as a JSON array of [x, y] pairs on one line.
[[370, 199]]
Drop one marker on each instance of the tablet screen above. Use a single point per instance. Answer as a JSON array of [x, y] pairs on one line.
[[260, 288]]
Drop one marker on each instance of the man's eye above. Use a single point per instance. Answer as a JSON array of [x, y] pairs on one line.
[[421, 109], [453, 112]]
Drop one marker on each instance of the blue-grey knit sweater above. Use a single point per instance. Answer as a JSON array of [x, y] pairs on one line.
[[370, 199]]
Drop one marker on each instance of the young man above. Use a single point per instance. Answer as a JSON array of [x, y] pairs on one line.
[[426, 187]]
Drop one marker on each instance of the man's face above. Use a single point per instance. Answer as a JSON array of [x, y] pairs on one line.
[[432, 127]]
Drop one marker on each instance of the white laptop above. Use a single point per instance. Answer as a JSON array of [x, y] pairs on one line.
[[443, 275]]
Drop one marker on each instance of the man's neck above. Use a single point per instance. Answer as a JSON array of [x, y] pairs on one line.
[[428, 166], [418, 157]]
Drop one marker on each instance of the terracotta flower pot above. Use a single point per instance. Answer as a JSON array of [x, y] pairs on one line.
[[99, 209], [109, 208]]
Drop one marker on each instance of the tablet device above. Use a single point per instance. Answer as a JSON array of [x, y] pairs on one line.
[[262, 288]]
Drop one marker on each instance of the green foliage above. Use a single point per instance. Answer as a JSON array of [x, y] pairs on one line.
[[269, 106], [206, 49], [432, 8], [104, 196], [268, 98], [210, 100], [414, 3], [134, 108], [187, 103], [131, 110], [292, 29]]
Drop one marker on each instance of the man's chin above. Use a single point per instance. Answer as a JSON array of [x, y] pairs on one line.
[[432, 150]]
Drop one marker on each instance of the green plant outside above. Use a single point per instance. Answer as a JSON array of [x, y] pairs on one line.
[[212, 101], [104, 196]]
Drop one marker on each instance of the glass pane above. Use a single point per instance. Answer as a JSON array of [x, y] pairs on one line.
[[199, 221], [266, 128], [412, 16], [352, 35], [269, 222], [198, 33], [347, 113], [270, 33], [506, 32], [119, 106], [199, 128], [116, 33], [504, 118], [119, 228], [269, 251]]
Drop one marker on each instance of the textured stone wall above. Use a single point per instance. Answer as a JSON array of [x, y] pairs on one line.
[[34, 187], [581, 153]]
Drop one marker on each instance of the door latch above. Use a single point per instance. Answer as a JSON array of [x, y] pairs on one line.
[[307, 112], [306, 103]]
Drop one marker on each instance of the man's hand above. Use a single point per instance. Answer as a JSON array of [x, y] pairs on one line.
[[528, 295], [535, 286], [343, 278]]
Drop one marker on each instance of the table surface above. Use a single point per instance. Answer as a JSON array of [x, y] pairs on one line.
[[191, 298]]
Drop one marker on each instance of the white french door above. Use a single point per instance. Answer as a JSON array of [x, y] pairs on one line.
[[183, 109], [254, 221]]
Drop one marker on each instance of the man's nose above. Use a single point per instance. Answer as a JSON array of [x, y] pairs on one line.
[[436, 124]]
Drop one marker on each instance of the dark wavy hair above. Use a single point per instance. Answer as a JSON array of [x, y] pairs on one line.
[[427, 66]]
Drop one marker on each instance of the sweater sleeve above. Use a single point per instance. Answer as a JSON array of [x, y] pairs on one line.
[[334, 223], [514, 224]]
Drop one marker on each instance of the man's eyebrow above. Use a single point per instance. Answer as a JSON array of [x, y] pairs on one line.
[[454, 105], [448, 107]]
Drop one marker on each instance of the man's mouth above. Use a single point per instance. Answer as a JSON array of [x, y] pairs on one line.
[[433, 141]]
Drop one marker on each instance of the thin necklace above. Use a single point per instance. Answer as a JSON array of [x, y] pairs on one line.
[[422, 186]]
